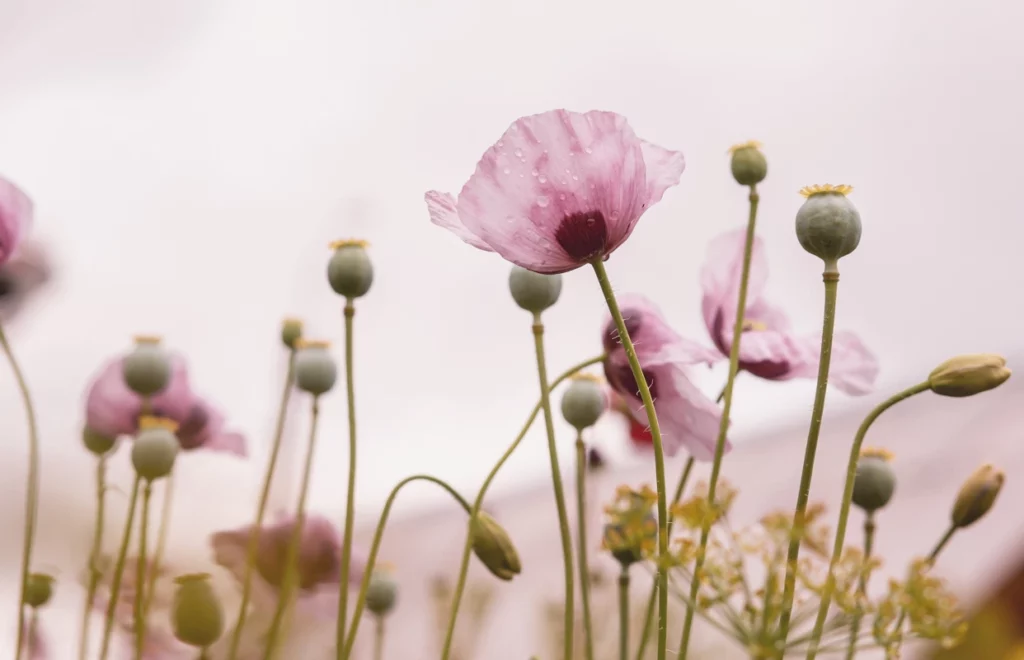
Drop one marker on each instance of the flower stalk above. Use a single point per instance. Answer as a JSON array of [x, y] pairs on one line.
[[94, 555], [350, 502], [115, 584], [140, 573], [581, 544]]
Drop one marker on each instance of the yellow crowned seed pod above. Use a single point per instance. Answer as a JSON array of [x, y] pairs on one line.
[[748, 164], [828, 225], [966, 375], [196, 613], [875, 481], [493, 547], [977, 495], [382, 591], [155, 448], [350, 271], [291, 332], [584, 401], [315, 369], [532, 291], [38, 589], [147, 369]]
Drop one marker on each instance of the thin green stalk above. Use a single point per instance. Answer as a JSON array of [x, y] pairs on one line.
[[862, 583], [723, 427], [161, 544], [467, 547], [94, 555], [378, 638], [140, 573], [844, 509], [32, 488], [115, 584], [261, 509], [378, 536], [289, 577], [624, 613], [659, 451], [581, 544], [350, 503]]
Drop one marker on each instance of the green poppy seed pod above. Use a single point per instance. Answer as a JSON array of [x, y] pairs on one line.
[[828, 225], [977, 495], [315, 369], [196, 613], [147, 369], [584, 401], [291, 332], [748, 164], [155, 448], [532, 291], [38, 589], [966, 375], [349, 271], [493, 547], [875, 481], [97, 443], [618, 542], [382, 591]]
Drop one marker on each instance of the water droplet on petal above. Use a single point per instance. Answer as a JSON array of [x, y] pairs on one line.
[[501, 143], [507, 171], [589, 150], [591, 221], [592, 186], [535, 173], [542, 179], [568, 171], [518, 153], [543, 201], [562, 197], [522, 176], [564, 182], [575, 178]]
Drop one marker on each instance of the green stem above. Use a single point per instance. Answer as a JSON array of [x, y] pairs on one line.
[[581, 544], [94, 555], [378, 536], [261, 509], [467, 547], [932, 556], [161, 545], [831, 279], [140, 573], [844, 509], [32, 488], [862, 583], [346, 547], [115, 583], [378, 638], [290, 578], [659, 452], [723, 426], [624, 613]]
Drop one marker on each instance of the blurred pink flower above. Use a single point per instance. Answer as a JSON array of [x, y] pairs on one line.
[[688, 419], [558, 189], [15, 215], [35, 642], [769, 348], [22, 277]]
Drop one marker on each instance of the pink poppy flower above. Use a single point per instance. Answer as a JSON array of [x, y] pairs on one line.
[[15, 215], [558, 190], [22, 277], [769, 348], [688, 419]]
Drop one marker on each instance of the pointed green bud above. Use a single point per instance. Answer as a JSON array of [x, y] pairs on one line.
[[155, 448], [828, 225], [532, 291], [967, 375], [977, 495], [748, 164], [196, 613], [147, 368], [350, 271], [291, 332], [584, 401], [316, 371], [493, 547], [38, 589], [382, 591], [875, 481]]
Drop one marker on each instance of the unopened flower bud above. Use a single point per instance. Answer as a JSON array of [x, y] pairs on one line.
[[584, 401], [828, 225], [977, 495], [315, 368], [147, 369], [875, 481], [623, 544], [349, 271], [532, 291], [749, 166], [38, 589], [291, 332], [382, 591], [493, 547], [196, 613], [97, 443], [966, 375], [155, 448]]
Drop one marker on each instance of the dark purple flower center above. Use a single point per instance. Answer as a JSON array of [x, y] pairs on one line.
[[620, 377], [633, 320], [190, 432], [767, 369], [583, 235]]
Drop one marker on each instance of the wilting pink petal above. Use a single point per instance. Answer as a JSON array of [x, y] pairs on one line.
[[203, 428], [769, 349], [558, 190], [112, 409], [15, 215]]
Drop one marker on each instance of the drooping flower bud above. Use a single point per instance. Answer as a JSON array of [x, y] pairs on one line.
[[749, 166], [966, 375], [532, 291], [875, 481], [315, 369], [291, 332], [382, 591], [97, 443], [584, 401], [155, 448], [38, 589], [196, 613], [493, 547], [977, 495], [147, 369], [349, 271], [828, 225]]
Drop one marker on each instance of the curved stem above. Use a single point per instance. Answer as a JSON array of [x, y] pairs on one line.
[[346, 547], [581, 544], [862, 584], [32, 488], [844, 509], [723, 426], [624, 613], [290, 579], [460, 585], [378, 536], [378, 639], [140, 573], [161, 544], [831, 279], [261, 509], [115, 583], [94, 555]]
